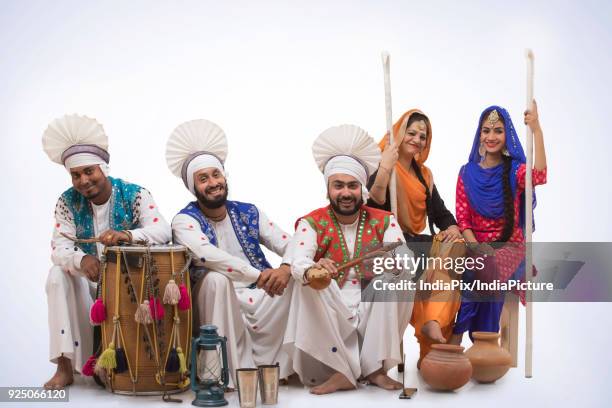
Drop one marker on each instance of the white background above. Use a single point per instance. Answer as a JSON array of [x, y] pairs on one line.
[[275, 75]]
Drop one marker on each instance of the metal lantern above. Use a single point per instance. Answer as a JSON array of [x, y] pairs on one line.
[[209, 373]]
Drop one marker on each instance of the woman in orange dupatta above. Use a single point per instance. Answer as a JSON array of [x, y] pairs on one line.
[[418, 200]]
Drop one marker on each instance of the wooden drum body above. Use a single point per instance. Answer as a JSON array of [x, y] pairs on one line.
[[131, 277]]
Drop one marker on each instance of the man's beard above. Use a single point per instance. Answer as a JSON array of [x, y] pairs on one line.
[[336, 206], [212, 204]]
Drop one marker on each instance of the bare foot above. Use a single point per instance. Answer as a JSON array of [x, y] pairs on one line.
[[432, 331], [63, 375], [382, 380], [337, 382], [456, 339]]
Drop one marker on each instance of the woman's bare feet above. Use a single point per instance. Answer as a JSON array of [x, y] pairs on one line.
[[63, 375], [433, 332], [382, 380], [337, 382]]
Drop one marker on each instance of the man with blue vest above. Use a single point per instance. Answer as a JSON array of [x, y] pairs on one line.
[[96, 205], [235, 287]]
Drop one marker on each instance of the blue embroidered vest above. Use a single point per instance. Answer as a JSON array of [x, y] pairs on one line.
[[245, 221], [121, 211]]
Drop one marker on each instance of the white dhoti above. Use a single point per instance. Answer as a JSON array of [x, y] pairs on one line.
[[252, 321], [70, 333], [332, 330]]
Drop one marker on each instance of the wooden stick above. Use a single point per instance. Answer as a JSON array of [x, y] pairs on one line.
[[372, 254], [95, 240], [386, 61], [529, 223]]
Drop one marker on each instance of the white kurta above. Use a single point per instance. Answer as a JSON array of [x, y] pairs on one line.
[[333, 330], [68, 290], [253, 322]]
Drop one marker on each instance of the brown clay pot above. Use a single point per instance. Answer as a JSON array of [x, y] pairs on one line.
[[489, 360], [446, 368]]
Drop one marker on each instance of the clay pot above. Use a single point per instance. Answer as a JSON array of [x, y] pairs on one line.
[[446, 368], [489, 361]]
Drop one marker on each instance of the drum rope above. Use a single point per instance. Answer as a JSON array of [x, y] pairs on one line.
[[160, 370], [116, 316], [127, 357]]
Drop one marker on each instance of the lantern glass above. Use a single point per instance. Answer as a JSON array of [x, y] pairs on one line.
[[209, 365]]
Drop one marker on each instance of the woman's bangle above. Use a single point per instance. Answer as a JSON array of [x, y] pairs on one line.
[[385, 169]]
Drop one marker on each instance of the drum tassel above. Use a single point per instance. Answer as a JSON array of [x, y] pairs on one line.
[[172, 294]]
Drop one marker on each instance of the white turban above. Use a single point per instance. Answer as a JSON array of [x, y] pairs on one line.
[[350, 166], [198, 163], [86, 159]]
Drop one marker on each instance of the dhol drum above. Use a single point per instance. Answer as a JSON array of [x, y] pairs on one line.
[[147, 328]]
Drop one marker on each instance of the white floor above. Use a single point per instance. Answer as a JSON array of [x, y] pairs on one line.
[[572, 367]]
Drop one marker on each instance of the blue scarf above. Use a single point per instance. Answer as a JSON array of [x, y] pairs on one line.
[[121, 211], [484, 187]]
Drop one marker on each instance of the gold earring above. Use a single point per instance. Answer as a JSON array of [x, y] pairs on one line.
[[481, 151]]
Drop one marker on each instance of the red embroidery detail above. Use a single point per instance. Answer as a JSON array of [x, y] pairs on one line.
[[57, 225], [284, 237], [155, 219], [254, 327], [203, 238], [151, 206], [229, 269], [250, 300], [301, 243], [393, 224], [303, 229], [191, 226], [271, 223], [354, 281]]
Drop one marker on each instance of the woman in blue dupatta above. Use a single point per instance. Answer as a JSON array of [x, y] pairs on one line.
[[490, 208]]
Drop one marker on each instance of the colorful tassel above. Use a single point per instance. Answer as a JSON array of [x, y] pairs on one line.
[[172, 295], [182, 362], [143, 313], [184, 300], [97, 313], [108, 359], [88, 367], [157, 309], [122, 364], [173, 363]]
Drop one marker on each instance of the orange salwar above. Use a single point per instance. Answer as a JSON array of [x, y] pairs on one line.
[[439, 305]]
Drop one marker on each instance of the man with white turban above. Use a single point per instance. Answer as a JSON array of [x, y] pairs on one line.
[[96, 205], [235, 287], [345, 331]]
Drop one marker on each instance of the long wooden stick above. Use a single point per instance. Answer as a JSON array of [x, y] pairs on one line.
[[529, 223], [386, 61]]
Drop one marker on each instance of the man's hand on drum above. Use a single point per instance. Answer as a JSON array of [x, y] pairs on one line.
[[274, 281], [450, 234], [90, 266], [111, 237]]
